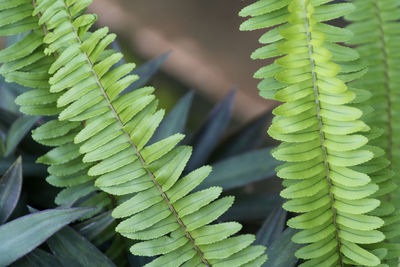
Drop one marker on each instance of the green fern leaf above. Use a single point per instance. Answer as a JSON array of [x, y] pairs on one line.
[[373, 23], [26, 63], [329, 172]]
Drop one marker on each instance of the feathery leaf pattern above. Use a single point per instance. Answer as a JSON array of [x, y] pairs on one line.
[[328, 163], [375, 26]]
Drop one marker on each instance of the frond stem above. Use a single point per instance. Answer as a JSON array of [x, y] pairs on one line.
[[165, 197], [321, 133], [39, 15], [44, 28]]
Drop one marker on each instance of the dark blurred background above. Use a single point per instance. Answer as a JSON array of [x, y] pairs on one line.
[[208, 52]]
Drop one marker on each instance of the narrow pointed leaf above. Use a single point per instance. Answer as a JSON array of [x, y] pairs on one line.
[[38, 257], [209, 134], [246, 138], [251, 207], [175, 121], [281, 252], [272, 227], [74, 250], [18, 131], [242, 170], [93, 227], [10, 190], [22, 235]]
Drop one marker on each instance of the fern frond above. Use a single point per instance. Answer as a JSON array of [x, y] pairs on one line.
[[26, 63], [110, 133], [376, 26], [328, 164]]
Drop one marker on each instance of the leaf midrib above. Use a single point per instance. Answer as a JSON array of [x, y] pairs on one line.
[[322, 135]]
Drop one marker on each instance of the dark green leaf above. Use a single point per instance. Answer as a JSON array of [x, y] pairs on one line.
[[22, 235], [10, 189], [7, 117], [17, 88], [146, 72], [7, 97], [251, 207], [205, 140], [246, 138], [175, 121], [42, 258], [18, 131], [137, 261], [118, 250], [2, 146], [72, 249], [13, 88], [93, 227], [281, 252], [241, 170], [105, 236], [23, 262], [272, 227], [29, 168], [38, 257]]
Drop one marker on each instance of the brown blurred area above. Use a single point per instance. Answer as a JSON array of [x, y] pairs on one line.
[[209, 53]]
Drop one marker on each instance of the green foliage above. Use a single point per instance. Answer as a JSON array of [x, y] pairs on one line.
[[10, 190], [282, 251], [241, 170], [22, 235], [38, 257], [206, 138], [117, 128], [330, 172], [100, 229], [67, 243], [111, 148], [17, 132], [375, 26], [272, 227], [101, 137]]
